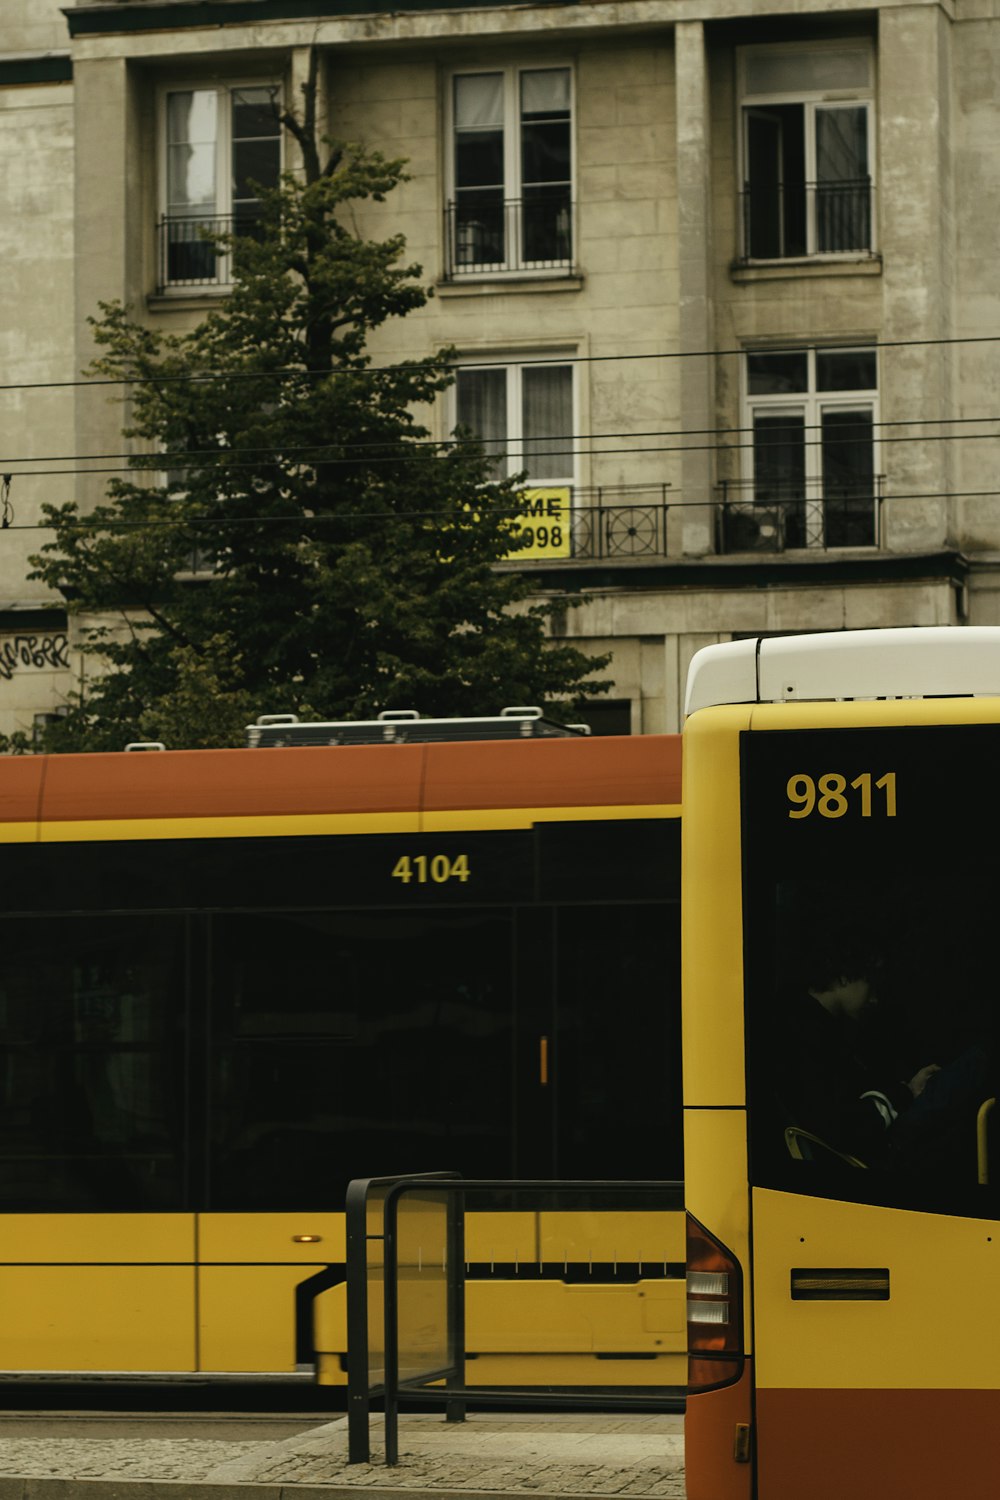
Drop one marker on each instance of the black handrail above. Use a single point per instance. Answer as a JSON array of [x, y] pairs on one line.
[[360, 1388], [454, 1393]]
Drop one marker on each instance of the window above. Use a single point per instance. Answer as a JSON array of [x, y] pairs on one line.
[[806, 122], [91, 1062], [221, 146], [903, 898], [524, 416], [511, 207], [812, 419]]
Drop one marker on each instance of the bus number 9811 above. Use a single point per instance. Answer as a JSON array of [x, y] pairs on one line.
[[831, 795]]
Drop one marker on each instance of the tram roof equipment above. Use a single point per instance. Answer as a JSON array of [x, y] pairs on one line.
[[958, 661], [404, 726]]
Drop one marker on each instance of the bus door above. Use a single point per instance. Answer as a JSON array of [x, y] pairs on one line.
[[871, 895], [342, 1043]]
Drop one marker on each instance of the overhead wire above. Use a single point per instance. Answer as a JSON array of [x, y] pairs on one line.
[[431, 366], [373, 454], [343, 517], [147, 460]]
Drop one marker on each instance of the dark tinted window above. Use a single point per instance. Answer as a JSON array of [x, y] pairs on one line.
[[92, 1093], [618, 1027], [364, 1005], [349, 1046], [870, 942]]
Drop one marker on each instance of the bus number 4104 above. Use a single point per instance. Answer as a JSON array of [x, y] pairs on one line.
[[435, 868], [832, 795]]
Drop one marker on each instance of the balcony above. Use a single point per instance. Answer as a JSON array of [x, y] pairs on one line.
[[188, 252], [587, 525], [636, 527], [487, 235], [790, 221], [777, 522]]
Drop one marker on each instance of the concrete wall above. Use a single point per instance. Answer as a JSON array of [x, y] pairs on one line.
[[625, 300], [36, 351], [33, 26], [976, 174]]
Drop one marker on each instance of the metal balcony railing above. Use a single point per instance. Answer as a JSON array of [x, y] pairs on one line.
[[188, 252], [636, 527], [776, 521], [590, 526], [787, 220], [486, 234]]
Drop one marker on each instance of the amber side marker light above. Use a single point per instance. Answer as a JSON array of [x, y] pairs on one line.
[[714, 1311], [306, 1239]]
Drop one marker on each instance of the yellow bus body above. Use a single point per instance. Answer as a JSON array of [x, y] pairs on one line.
[[896, 1398], [218, 1292]]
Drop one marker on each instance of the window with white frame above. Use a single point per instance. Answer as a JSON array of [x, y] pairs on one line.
[[221, 145], [812, 416], [807, 144], [510, 171], [523, 414]]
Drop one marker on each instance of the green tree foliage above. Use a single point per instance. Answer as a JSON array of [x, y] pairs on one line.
[[310, 550]]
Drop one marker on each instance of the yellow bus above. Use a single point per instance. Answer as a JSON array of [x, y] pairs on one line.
[[232, 980], [840, 856]]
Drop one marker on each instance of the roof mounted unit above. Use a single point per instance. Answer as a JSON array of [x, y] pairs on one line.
[[404, 726], [931, 661]]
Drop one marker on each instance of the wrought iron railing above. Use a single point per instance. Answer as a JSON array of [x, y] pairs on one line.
[[188, 249], [594, 526], [621, 528], [783, 220], [488, 234], [776, 521]]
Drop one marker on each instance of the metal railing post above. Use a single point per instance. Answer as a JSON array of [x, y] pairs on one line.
[[455, 1407], [390, 1291], [358, 1381]]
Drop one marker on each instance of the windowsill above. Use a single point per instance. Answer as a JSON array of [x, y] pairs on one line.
[[810, 267], [188, 299], [507, 281]]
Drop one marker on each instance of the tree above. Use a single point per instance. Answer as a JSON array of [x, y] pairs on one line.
[[310, 549]]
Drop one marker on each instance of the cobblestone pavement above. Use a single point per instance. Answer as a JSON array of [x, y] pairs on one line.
[[636, 1456], [118, 1458]]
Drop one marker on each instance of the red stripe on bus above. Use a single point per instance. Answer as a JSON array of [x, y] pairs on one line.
[[710, 1422], [831, 1444], [605, 772], [232, 783], [20, 788]]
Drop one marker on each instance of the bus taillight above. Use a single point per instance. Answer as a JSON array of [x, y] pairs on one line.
[[714, 1311]]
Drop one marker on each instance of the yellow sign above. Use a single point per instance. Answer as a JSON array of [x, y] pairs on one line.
[[545, 515]]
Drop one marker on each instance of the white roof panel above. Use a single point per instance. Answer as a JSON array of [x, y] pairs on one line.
[[927, 662]]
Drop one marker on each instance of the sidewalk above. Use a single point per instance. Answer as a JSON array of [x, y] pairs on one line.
[[558, 1456]]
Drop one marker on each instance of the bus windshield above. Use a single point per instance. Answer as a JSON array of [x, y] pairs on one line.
[[872, 983]]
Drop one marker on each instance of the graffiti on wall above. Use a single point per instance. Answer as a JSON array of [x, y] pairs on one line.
[[19, 653]]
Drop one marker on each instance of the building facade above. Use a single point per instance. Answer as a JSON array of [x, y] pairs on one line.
[[720, 278]]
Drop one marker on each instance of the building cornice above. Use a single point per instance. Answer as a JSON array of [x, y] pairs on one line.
[[415, 19], [170, 15], [784, 570]]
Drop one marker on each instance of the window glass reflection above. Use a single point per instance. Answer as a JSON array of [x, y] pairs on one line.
[[872, 1022], [91, 1080], [356, 1045]]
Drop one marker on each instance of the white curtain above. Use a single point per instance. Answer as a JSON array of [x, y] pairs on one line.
[[481, 405], [547, 421], [479, 101], [191, 136]]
